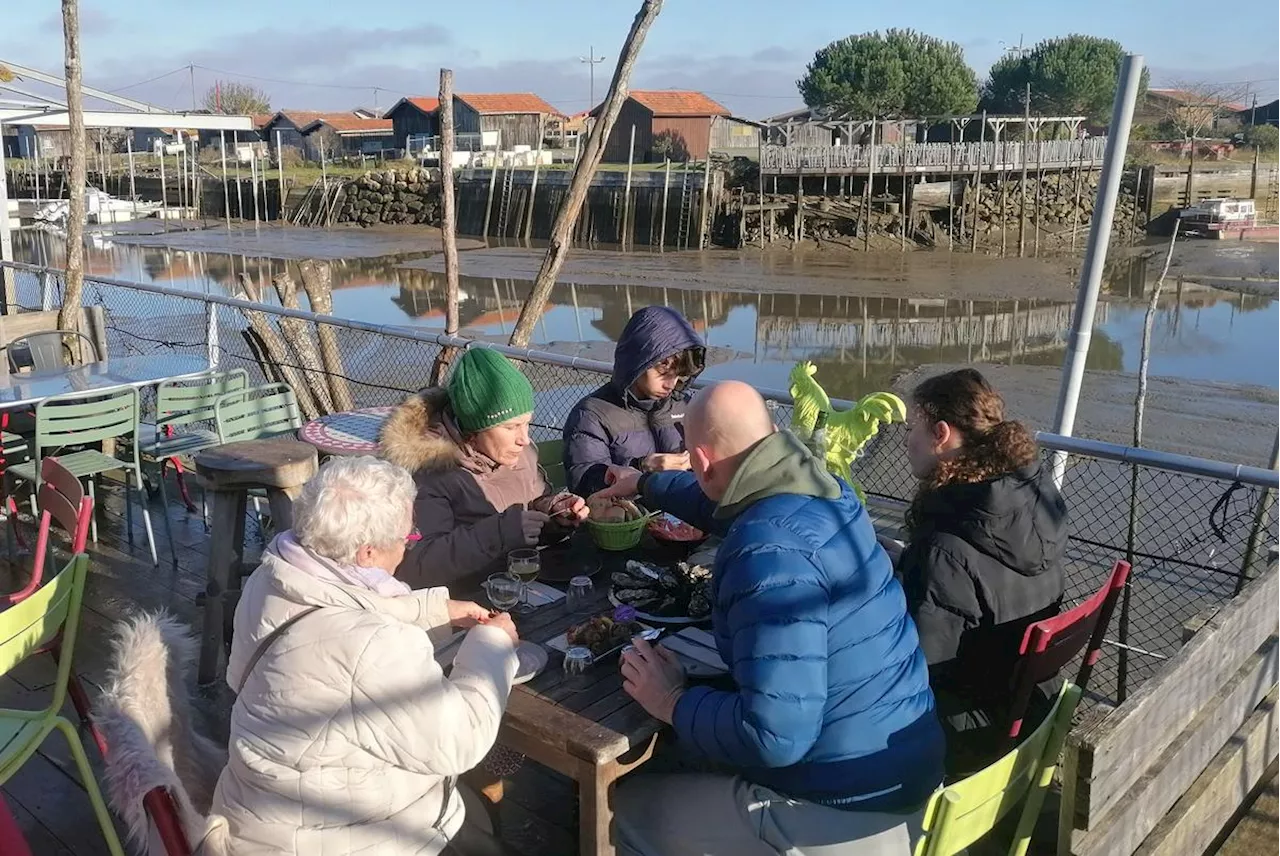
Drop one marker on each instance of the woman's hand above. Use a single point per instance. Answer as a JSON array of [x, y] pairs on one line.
[[569, 509], [502, 621], [464, 613], [659, 462], [654, 677], [531, 523]]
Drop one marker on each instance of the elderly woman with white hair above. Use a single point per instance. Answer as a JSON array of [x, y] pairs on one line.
[[346, 735]]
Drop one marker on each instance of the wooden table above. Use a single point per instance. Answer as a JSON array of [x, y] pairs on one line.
[[350, 433], [589, 730]]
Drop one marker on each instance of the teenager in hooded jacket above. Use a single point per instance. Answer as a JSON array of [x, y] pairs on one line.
[[631, 420], [987, 534]]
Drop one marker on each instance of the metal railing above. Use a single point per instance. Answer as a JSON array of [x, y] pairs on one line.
[[933, 157], [1191, 526]]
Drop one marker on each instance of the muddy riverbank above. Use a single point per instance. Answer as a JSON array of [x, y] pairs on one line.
[[806, 271], [294, 243], [1228, 422]]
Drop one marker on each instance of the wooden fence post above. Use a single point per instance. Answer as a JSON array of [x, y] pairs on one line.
[[448, 226]]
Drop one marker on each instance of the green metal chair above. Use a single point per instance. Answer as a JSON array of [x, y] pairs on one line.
[[963, 813], [551, 460], [188, 405], [81, 419], [257, 414], [26, 628]]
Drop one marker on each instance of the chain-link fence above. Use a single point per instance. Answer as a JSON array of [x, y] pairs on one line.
[[1194, 539]]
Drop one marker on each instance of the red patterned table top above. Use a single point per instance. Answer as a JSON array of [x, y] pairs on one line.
[[353, 432]]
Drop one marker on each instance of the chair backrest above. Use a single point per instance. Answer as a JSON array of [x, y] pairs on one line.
[[961, 814], [29, 626], [185, 402], [48, 349], [257, 413], [61, 498], [551, 459], [1050, 644], [86, 417]]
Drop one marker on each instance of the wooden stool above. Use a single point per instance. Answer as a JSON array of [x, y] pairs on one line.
[[281, 466]]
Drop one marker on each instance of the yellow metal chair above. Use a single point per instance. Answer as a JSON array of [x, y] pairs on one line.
[[551, 460], [961, 814], [28, 627]]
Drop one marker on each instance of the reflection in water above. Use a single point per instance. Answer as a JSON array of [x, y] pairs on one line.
[[859, 343]]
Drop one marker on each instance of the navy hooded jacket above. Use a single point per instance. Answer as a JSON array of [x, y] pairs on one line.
[[611, 426]]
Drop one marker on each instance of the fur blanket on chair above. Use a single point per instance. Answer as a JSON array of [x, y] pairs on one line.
[[144, 713]]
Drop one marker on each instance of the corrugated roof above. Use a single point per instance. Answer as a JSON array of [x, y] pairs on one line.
[[506, 102], [677, 102]]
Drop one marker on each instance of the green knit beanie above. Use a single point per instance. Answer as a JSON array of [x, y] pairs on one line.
[[486, 389]]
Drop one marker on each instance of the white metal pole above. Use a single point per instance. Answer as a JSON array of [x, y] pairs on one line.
[[280, 166], [253, 178], [1095, 254], [133, 187], [164, 190]]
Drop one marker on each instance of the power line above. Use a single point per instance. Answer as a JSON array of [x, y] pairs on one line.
[[149, 80]]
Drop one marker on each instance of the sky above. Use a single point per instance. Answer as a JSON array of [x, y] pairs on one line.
[[747, 54]]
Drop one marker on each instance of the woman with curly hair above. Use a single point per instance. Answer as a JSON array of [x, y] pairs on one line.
[[987, 533]]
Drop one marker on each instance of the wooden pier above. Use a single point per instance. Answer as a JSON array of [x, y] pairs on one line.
[[932, 158]]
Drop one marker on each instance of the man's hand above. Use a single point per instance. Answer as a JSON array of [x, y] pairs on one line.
[[654, 677], [623, 482], [464, 613], [659, 462]]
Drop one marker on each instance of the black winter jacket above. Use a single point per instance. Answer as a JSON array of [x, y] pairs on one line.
[[984, 561]]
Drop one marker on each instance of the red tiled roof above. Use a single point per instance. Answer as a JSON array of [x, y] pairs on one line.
[[345, 123], [261, 120], [425, 103], [507, 102], [677, 102]]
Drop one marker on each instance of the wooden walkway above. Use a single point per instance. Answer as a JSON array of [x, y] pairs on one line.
[[932, 158]]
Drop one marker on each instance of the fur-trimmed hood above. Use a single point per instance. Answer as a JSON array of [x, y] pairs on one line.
[[420, 435]]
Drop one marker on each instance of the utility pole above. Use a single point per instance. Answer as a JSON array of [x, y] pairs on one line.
[[191, 68], [592, 61]]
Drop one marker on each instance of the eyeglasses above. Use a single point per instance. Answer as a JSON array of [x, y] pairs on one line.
[[413, 537]]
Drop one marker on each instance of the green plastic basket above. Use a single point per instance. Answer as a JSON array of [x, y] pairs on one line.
[[619, 536]]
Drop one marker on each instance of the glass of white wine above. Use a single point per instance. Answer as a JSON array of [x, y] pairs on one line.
[[524, 565], [503, 590]]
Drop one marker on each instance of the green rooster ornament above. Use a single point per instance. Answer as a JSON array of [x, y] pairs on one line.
[[848, 431]]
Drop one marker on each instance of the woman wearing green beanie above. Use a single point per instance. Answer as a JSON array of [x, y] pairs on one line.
[[481, 493]]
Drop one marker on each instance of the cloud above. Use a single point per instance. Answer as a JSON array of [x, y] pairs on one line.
[[93, 21]]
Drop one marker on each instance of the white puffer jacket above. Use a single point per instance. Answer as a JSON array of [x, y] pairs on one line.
[[346, 731]]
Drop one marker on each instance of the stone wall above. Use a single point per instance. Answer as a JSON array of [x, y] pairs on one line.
[[391, 196]]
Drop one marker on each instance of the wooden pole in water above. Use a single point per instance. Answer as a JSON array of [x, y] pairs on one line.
[[798, 231], [626, 195], [951, 188], [235, 148], [1035, 222], [760, 193], [533, 188], [253, 183], [666, 186], [1075, 208], [869, 192], [902, 171], [448, 226], [1003, 178], [284, 194], [226, 197], [493, 181], [977, 184], [704, 221], [1022, 213], [562, 231]]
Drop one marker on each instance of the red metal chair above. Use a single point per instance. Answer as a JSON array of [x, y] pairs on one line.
[[164, 814], [1050, 644], [61, 498], [12, 841]]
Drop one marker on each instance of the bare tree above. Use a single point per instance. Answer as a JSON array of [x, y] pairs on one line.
[[236, 99], [69, 314]]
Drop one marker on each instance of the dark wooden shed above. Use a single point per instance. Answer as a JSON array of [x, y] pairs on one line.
[[414, 117], [669, 123], [520, 118]]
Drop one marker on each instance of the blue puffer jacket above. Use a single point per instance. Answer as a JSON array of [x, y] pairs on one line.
[[612, 426], [833, 702]]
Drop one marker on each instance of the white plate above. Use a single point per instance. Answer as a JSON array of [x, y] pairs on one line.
[[676, 621], [533, 659]]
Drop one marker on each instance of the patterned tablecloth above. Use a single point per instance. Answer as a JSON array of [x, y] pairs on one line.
[[353, 432]]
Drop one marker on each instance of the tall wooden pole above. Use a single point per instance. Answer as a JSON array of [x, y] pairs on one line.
[[562, 231], [666, 189], [626, 196], [760, 175], [977, 184], [1022, 210], [902, 171], [533, 188], [871, 184], [704, 220], [448, 225], [69, 314]]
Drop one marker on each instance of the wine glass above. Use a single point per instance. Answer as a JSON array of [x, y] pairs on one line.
[[524, 565], [503, 590]]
